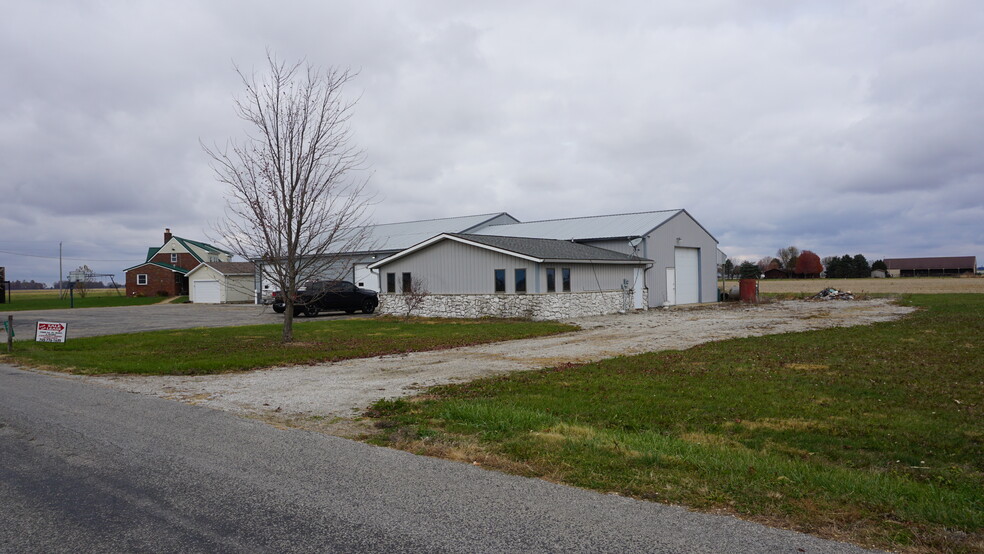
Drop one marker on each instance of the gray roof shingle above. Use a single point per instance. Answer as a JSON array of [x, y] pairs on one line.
[[550, 249]]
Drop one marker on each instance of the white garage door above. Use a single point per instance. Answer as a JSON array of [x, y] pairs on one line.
[[206, 292], [687, 262]]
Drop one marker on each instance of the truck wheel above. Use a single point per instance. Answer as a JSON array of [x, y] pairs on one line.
[[312, 311], [368, 307], [279, 308]]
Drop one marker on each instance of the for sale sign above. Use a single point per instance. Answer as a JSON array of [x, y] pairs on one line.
[[49, 331]]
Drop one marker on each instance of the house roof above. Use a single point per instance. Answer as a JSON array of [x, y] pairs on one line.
[[534, 249], [599, 227], [186, 243], [399, 236], [175, 268], [944, 262], [231, 268]]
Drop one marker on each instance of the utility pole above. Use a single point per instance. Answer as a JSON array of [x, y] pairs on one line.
[[60, 295]]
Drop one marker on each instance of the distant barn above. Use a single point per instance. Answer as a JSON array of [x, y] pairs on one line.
[[931, 267], [776, 273]]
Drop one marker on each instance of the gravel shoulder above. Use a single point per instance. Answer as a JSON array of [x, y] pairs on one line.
[[340, 391]]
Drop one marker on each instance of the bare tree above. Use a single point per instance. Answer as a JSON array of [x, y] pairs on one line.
[[764, 263], [414, 297], [787, 256], [297, 204]]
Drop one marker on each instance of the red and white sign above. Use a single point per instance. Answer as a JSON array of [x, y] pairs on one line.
[[49, 331]]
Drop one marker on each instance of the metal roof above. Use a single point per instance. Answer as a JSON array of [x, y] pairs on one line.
[[398, 236], [550, 249], [586, 228]]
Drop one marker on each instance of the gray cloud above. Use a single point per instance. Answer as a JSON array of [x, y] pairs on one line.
[[840, 127]]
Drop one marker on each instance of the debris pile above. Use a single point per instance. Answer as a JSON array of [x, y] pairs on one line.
[[833, 294]]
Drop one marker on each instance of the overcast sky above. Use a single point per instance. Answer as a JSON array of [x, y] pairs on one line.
[[838, 127]]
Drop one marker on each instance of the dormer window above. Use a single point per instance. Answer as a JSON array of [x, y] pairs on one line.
[[174, 258]]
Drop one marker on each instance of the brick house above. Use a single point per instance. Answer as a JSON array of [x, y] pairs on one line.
[[165, 271]]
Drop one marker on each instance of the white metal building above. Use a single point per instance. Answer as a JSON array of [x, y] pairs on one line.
[[684, 254]]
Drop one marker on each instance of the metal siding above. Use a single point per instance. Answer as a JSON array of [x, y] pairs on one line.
[[659, 247], [449, 267]]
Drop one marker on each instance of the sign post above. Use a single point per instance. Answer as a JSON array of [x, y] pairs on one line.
[[8, 326], [49, 331]]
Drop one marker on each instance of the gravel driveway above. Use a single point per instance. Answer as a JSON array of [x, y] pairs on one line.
[[300, 394]]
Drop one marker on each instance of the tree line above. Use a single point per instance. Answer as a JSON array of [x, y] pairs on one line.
[[804, 264], [37, 285]]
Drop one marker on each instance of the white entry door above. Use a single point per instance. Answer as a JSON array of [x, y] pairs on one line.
[[687, 275], [638, 282], [206, 292]]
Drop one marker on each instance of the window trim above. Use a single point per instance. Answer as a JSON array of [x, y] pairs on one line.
[[551, 279], [391, 283], [142, 277], [565, 277], [174, 258], [406, 282]]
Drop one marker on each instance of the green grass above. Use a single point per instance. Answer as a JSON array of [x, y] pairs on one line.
[[214, 350], [23, 300], [874, 434]]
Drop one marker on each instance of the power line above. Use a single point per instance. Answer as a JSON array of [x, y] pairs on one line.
[[56, 257]]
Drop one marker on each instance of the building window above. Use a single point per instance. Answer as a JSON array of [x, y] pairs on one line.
[[520, 281], [391, 282], [407, 283], [142, 279], [551, 279], [565, 275], [500, 280], [174, 258]]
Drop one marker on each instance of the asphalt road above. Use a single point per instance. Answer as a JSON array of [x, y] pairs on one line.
[[88, 468], [88, 322]]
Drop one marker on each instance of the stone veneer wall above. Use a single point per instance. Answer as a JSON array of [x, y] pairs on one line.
[[531, 306]]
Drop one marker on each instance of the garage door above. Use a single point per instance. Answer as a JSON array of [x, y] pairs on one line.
[[687, 262], [206, 292]]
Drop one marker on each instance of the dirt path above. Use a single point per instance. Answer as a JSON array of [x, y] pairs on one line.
[[344, 389]]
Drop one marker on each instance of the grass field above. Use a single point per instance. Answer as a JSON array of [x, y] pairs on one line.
[[23, 300], [217, 350], [870, 434], [908, 285]]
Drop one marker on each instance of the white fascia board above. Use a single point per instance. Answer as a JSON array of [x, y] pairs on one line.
[[600, 262], [443, 236], [197, 267]]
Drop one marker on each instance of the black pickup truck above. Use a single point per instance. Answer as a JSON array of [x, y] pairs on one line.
[[323, 296]]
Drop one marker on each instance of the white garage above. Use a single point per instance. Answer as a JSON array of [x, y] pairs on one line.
[[222, 283]]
